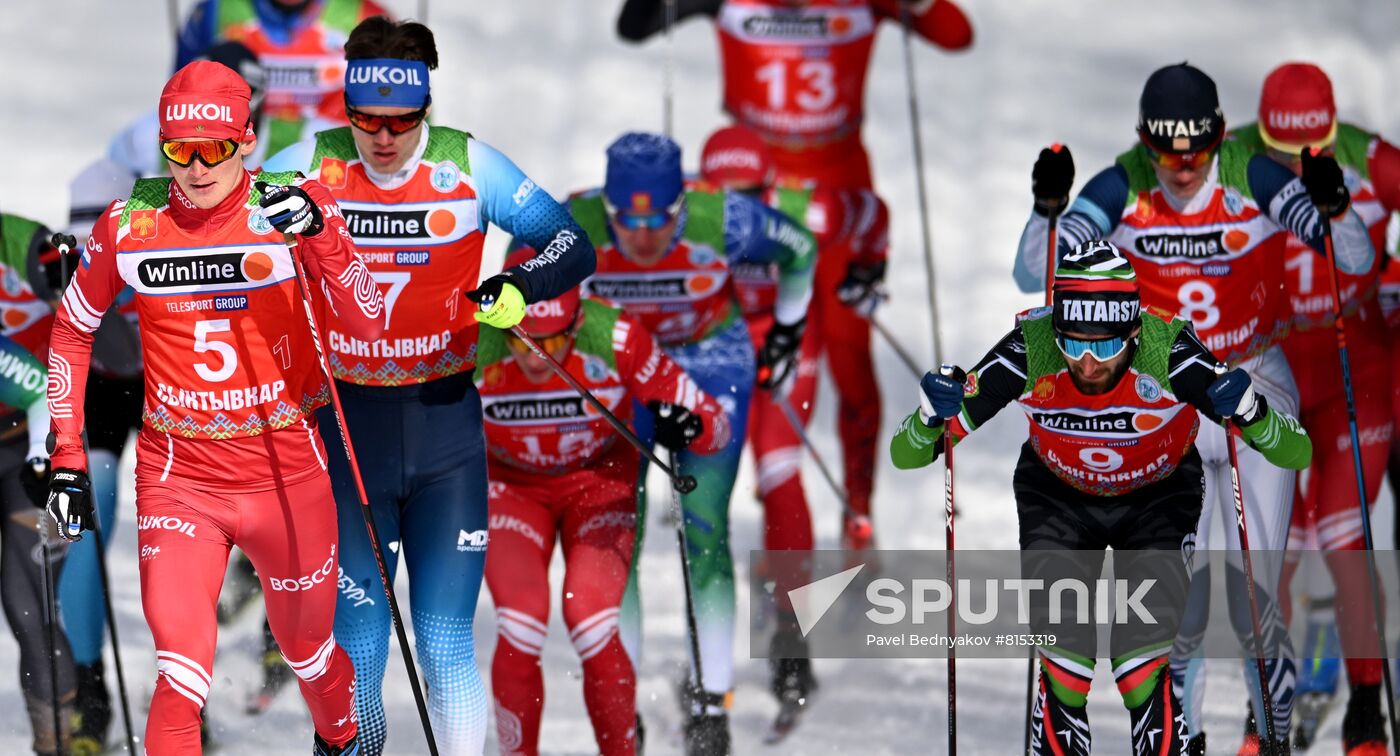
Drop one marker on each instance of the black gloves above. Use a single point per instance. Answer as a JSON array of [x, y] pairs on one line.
[[676, 426], [777, 360], [70, 502], [1051, 179], [1322, 177], [863, 288], [290, 209]]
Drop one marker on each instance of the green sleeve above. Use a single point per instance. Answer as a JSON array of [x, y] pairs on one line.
[[23, 379], [1281, 439], [915, 444]]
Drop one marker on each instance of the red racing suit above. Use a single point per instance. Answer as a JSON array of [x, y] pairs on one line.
[[558, 470], [229, 453], [852, 226]]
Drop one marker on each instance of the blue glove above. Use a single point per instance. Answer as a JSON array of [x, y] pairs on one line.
[[1233, 397], [940, 397]]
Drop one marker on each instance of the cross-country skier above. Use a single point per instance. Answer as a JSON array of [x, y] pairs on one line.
[[850, 223], [1205, 221], [664, 255], [1133, 485], [558, 470], [115, 388], [228, 454], [30, 268], [1297, 111], [409, 398], [795, 72], [298, 42]]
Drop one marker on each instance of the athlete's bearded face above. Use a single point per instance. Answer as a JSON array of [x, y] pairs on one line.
[[645, 246], [384, 151], [206, 187], [1091, 376]]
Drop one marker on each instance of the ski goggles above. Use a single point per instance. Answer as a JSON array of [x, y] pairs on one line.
[[643, 220], [1101, 350], [398, 124], [552, 345], [1180, 161], [210, 152]]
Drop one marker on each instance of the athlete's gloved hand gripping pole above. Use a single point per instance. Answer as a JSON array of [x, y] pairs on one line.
[[290, 210], [1051, 179], [1237, 404], [1328, 191], [69, 503]]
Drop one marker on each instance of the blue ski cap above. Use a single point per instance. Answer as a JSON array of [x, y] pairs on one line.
[[644, 185]]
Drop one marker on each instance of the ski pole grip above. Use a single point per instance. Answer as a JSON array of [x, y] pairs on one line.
[[953, 371], [64, 243]]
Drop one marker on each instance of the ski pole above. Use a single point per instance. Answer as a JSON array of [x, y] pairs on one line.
[[422, 12], [172, 9], [112, 630], [66, 243], [1264, 693], [958, 375], [667, 72], [1030, 699], [368, 514], [681, 483], [692, 626], [918, 141], [51, 626], [796, 422], [1340, 323], [898, 348]]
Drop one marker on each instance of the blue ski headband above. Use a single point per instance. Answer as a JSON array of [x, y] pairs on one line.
[[386, 81]]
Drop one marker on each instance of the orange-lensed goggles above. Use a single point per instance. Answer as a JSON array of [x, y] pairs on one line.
[[210, 152], [398, 124], [1180, 161], [552, 345]]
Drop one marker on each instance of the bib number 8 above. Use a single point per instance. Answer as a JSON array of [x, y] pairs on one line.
[[1197, 300]]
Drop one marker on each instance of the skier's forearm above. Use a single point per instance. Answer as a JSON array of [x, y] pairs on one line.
[[564, 255], [70, 352], [1281, 439], [915, 444]]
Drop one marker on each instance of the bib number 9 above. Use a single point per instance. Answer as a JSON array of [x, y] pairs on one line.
[[1197, 300], [1101, 460]]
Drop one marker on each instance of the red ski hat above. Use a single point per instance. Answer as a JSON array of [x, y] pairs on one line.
[[1296, 108], [551, 316], [207, 100], [736, 155]]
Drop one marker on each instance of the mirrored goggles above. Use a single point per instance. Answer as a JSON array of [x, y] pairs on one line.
[[1101, 350], [398, 124], [650, 220], [210, 152]]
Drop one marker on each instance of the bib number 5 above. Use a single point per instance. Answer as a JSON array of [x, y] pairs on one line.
[[228, 358]]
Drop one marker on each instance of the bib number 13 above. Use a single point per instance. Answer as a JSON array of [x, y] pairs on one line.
[[815, 83]]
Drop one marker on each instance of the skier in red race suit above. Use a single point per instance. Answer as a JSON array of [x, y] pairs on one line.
[[852, 223], [795, 71], [559, 470], [228, 453], [1297, 111]]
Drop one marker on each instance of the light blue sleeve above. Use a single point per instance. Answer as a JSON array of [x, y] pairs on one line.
[[296, 157], [501, 187]]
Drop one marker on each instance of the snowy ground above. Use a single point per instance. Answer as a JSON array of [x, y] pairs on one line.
[[547, 83]]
